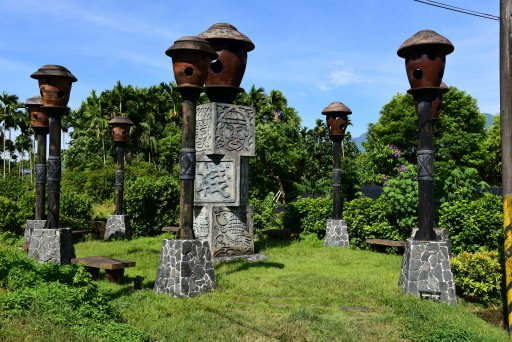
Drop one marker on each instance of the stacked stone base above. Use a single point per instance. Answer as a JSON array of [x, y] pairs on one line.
[[31, 225], [51, 245], [186, 268], [336, 234], [117, 227], [426, 271]]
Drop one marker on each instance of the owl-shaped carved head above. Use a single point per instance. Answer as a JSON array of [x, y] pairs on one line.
[[337, 119]]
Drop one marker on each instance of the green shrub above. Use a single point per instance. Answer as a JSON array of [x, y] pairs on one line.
[[264, 216], [152, 202], [11, 216], [473, 225], [308, 215], [75, 209], [478, 276], [65, 296], [100, 184], [14, 187], [359, 214]]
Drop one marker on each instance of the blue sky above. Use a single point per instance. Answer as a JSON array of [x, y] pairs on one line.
[[315, 52]]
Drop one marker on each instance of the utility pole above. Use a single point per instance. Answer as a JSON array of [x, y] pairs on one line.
[[506, 143]]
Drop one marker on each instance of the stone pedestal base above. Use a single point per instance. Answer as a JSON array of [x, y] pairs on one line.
[[186, 268], [31, 225], [426, 271], [51, 245], [336, 234], [117, 227]]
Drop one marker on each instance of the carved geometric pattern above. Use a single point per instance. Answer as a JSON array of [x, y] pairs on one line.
[[54, 169], [40, 173], [336, 177], [204, 119], [187, 163], [119, 177], [425, 165], [232, 233], [215, 181]]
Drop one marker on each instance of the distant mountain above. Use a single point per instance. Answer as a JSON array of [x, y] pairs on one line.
[[362, 138], [489, 119], [359, 140]]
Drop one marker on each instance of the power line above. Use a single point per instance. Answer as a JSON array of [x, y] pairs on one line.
[[459, 9]]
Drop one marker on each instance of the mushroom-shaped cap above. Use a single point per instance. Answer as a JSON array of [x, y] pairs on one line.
[[336, 107], [53, 70], [227, 31], [120, 120], [34, 100], [425, 38], [191, 43], [444, 86]]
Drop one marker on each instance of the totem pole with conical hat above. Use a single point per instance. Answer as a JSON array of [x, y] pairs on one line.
[[117, 225], [426, 270], [53, 243], [336, 114], [39, 122], [225, 139], [186, 268]]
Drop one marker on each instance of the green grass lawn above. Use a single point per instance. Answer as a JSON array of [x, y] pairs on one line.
[[302, 292]]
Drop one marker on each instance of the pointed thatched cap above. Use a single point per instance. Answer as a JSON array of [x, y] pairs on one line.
[[192, 43], [336, 107], [227, 31], [425, 38], [53, 70], [34, 100], [120, 120]]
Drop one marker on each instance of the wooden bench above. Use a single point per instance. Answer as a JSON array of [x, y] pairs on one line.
[[79, 235], [114, 268], [170, 229], [281, 234], [381, 244]]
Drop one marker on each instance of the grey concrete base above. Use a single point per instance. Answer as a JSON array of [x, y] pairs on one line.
[[117, 227], [426, 271], [51, 245], [441, 234], [186, 268], [336, 234], [249, 258], [31, 225]]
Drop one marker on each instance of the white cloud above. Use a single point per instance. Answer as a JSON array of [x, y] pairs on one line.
[[340, 75]]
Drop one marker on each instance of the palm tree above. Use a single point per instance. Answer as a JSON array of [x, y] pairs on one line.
[[10, 118]]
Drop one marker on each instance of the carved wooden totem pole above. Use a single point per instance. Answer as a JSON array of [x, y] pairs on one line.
[[117, 225], [225, 139], [186, 268], [426, 270], [53, 243], [336, 234], [39, 122]]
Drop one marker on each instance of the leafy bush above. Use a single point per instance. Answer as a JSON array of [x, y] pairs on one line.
[[462, 184], [152, 203], [13, 187], [11, 217], [64, 295], [478, 276], [392, 216], [75, 209], [308, 215], [264, 216], [473, 225]]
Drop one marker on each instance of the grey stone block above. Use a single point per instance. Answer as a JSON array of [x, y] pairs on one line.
[[224, 129], [336, 234], [31, 225], [185, 279], [51, 245], [118, 227], [221, 180], [435, 279], [228, 230]]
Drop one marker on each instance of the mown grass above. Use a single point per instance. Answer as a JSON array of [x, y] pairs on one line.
[[302, 292]]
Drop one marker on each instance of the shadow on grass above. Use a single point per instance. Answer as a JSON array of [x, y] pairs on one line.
[[248, 265], [266, 243]]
